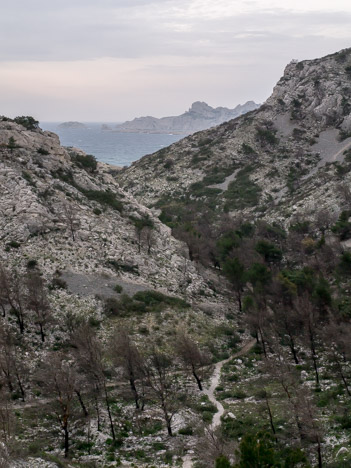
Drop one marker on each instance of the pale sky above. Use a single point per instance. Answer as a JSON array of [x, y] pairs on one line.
[[113, 60]]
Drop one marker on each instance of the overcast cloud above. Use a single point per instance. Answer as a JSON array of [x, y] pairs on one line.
[[116, 59]]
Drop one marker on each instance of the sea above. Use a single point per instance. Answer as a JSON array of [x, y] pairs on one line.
[[119, 149]]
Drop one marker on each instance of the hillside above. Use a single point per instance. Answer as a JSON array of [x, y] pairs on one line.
[[272, 162], [199, 117], [191, 310], [77, 251], [266, 199]]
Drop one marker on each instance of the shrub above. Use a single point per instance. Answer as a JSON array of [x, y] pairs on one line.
[[168, 163], [31, 264], [105, 197], [242, 192], [126, 268], [343, 227], [11, 144], [118, 288], [85, 161], [157, 300], [247, 149], [345, 263], [14, 244], [28, 122], [186, 431], [43, 151], [58, 283], [266, 136], [270, 252]]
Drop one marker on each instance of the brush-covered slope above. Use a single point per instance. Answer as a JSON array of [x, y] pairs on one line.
[[287, 156]]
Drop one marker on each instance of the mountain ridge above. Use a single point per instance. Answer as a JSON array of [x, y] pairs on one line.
[[199, 117]]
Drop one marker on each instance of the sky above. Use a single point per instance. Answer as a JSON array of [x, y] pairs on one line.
[[113, 60]]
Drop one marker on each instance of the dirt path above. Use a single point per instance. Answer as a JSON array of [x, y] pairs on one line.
[[210, 392]]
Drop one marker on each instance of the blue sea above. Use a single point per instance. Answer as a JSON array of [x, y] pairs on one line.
[[120, 149]]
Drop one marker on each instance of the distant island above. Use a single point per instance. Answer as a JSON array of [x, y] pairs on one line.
[[200, 116], [72, 125]]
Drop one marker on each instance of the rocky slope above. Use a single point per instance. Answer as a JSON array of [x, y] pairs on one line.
[[199, 117], [71, 216], [288, 156]]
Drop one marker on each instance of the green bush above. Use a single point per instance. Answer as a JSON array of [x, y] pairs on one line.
[[28, 122], [134, 269], [270, 252], [31, 264], [266, 136], [85, 161], [157, 300], [104, 197], [14, 244], [242, 192], [343, 227], [247, 149], [186, 431], [43, 151]]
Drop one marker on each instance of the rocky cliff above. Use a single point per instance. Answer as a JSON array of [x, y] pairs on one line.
[[200, 116]]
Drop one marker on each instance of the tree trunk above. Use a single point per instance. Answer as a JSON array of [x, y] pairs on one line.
[[319, 451], [85, 411], [263, 343], [97, 411], [134, 391], [270, 416], [42, 334], [197, 378], [293, 350], [109, 414], [19, 381], [66, 443]]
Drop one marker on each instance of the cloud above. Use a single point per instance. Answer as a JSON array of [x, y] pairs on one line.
[[79, 30], [114, 59]]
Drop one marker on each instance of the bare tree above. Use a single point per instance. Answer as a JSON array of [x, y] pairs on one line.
[[58, 379], [90, 357], [311, 322], [338, 337], [126, 354], [13, 293], [212, 446], [70, 218], [12, 366], [191, 356], [163, 383], [37, 301]]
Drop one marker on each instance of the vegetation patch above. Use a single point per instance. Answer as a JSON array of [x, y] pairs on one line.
[[242, 192]]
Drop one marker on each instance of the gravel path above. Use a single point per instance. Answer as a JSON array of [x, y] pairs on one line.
[[214, 381]]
